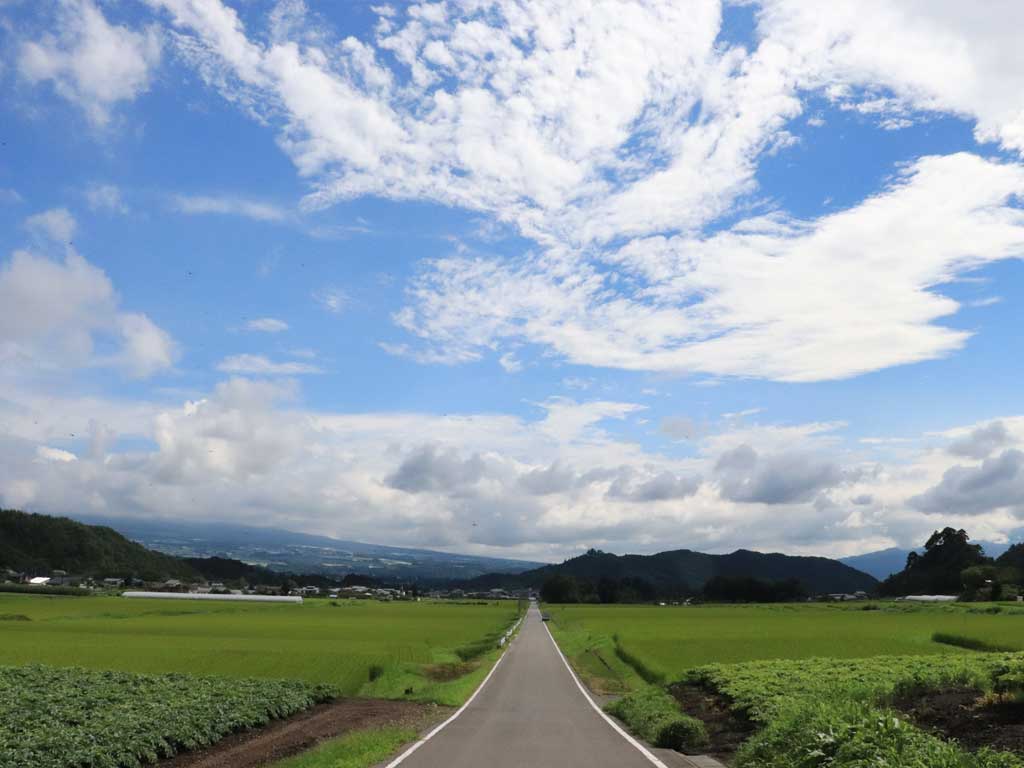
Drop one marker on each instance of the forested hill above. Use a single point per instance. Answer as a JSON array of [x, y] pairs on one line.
[[40, 543], [683, 570]]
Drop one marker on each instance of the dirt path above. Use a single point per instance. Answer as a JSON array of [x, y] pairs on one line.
[[283, 738]]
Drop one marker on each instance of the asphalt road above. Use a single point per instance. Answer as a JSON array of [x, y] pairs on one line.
[[530, 714]]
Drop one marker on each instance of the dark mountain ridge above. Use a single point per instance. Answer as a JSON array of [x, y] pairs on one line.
[[39, 544], [684, 571]]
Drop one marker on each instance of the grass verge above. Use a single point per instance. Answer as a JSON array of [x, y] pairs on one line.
[[653, 714], [357, 749]]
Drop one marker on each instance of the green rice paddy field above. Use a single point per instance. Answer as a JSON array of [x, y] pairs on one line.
[[317, 642], [818, 685], [672, 639], [111, 682]]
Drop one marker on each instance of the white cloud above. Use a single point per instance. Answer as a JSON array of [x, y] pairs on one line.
[[931, 55], [231, 206], [848, 293], [334, 300], [260, 365], [57, 310], [266, 325], [55, 224], [105, 198], [89, 61], [538, 487], [9, 196], [509, 363], [532, 133], [147, 348], [55, 454], [632, 124]]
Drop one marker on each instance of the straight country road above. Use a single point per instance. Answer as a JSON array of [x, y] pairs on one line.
[[530, 714]]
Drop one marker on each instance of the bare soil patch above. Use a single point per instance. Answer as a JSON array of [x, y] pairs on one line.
[[967, 715], [727, 729], [444, 672], [284, 738]]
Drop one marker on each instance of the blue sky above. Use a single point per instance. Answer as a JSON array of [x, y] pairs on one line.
[[516, 278]]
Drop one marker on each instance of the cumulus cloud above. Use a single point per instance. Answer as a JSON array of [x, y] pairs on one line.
[[55, 224], [981, 442], [664, 486], [90, 62], [744, 475], [538, 486], [56, 310], [996, 483], [928, 55], [431, 469], [147, 348]]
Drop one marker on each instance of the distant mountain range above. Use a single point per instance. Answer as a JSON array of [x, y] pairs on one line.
[[683, 570], [291, 552], [885, 562]]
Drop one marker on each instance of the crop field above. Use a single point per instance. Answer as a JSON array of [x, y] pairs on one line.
[[52, 717], [819, 685], [670, 640], [831, 712], [358, 647]]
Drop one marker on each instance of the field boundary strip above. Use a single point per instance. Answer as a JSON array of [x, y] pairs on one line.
[[618, 729], [398, 760]]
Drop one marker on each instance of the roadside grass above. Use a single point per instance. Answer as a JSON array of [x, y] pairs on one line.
[[640, 699], [654, 715], [409, 682], [316, 642], [357, 749], [593, 655]]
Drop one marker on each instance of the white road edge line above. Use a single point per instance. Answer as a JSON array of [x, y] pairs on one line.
[[643, 750], [458, 712]]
